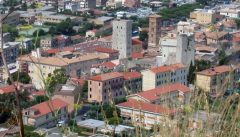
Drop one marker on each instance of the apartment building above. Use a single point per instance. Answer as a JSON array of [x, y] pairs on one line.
[[218, 79], [206, 16], [163, 75], [144, 114], [75, 65], [132, 82], [11, 52], [232, 11], [166, 95], [122, 37], [46, 114], [105, 88]]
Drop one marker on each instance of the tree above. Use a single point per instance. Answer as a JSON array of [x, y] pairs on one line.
[[65, 27], [22, 77], [12, 30], [52, 30], [143, 35], [33, 5], [191, 73], [115, 121], [223, 59], [58, 77], [24, 7], [10, 3], [40, 32]]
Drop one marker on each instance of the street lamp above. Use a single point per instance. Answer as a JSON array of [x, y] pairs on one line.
[[20, 120]]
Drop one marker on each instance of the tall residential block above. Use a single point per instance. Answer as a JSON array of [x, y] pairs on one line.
[[122, 37], [154, 30]]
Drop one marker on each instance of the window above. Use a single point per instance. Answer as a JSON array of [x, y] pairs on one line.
[[90, 96], [99, 84], [47, 116], [90, 89], [90, 82]]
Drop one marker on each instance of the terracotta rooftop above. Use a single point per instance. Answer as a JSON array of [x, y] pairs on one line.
[[106, 76], [39, 93], [78, 81], [106, 50], [131, 75], [154, 94], [143, 106], [173, 67], [216, 35], [215, 70], [7, 89], [47, 107], [136, 55], [108, 65], [137, 41], [61, 62]]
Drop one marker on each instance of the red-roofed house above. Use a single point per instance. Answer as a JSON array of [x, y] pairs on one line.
[[103, 67], [137, 55], [113, 54], [217, 79], [160, 76], [137, 45], [106, 87], [7, 89], [165, 94], [11, 88], [143, 113], [132, 82], [46, 114]]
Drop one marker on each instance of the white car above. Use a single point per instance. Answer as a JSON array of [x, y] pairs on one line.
[[60, 123]]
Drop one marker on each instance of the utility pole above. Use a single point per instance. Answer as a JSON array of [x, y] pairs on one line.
[[18, 106]]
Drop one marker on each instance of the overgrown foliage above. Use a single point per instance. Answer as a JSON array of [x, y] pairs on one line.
[[178, 12]]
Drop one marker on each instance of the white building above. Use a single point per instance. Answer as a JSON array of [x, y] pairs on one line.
[[160, 76], [232, 11], [122, 37]]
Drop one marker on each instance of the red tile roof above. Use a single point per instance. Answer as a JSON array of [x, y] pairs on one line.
[[39, 93], [131, 75], [106, 50], [108, 65], [143, 106], [216, 70], [137, 41], [78, 81], [7, 89], [173, 67], [154, 94], [137, 55], [106, 76], [47, 107]]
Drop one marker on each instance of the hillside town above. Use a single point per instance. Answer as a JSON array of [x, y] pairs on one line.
[[119, 68]]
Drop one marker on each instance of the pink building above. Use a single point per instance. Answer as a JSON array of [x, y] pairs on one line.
[[132, 3], [104, 88]]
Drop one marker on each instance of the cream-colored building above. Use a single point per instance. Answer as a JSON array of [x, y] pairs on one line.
[[46, 114], [145, 114], [75, 65], [218, 79], [205, 16], [160, 76]]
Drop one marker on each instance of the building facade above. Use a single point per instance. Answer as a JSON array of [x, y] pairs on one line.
[[122, 37], [39, 67], [11, 52], [105, 88], [46, 114], [163, 75], [218, 79], [132, 82]]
